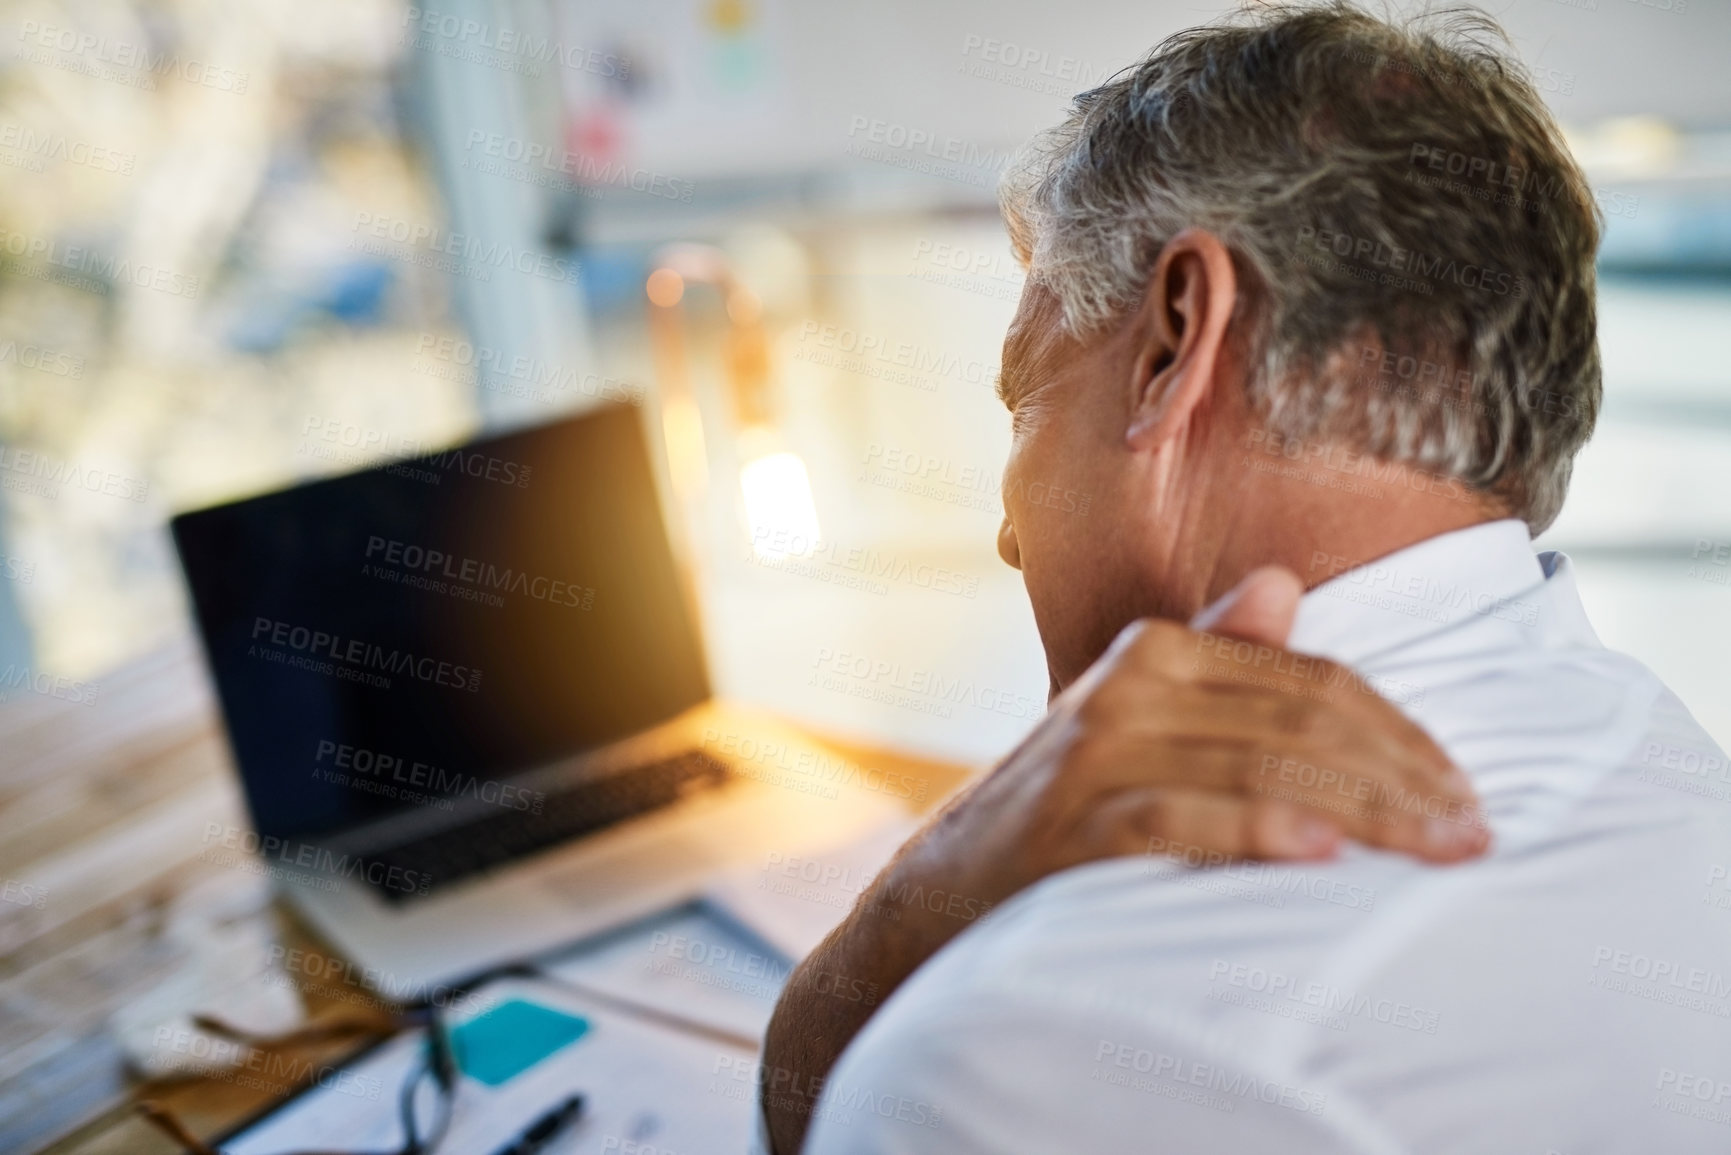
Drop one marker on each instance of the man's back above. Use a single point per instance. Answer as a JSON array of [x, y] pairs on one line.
[[1370, 1004]]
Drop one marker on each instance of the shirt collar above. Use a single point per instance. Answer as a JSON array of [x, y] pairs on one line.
[[1568, 617], [1487, 569]]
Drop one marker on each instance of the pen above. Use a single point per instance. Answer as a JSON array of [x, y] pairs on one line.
[[539, 1133]]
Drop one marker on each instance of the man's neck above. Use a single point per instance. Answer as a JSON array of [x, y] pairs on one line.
[[1328, 520]]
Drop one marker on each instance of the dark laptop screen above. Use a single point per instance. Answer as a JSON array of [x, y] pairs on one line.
[[430, 627]]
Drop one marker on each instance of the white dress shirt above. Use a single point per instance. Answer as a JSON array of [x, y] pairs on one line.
[[1569, 993]]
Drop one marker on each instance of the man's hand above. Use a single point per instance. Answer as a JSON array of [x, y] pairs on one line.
[[1182, 739], [1218, 744]]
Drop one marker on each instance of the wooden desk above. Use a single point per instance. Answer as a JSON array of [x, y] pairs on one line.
[[103, 812]]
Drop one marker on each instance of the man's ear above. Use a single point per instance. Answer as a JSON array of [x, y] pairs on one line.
[[1183, 325]]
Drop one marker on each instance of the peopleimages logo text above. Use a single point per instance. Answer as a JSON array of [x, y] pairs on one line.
[[59, 146], [105, 269], [52, 472], [588, 171], [514, 42], [357, 654], [358, 764], [318, 859], [468, 570], [1369, 252], [103, 50], [430, 238]]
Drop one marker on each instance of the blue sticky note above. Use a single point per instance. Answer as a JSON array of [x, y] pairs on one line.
[[507, 1040]]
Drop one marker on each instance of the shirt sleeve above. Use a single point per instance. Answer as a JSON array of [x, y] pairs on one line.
[[991, 1075], [759, 1144]]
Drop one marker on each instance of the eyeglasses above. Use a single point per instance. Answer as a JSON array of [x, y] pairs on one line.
[[426, 1114]]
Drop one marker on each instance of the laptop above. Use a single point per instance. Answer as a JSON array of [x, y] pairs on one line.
[[467, 698]]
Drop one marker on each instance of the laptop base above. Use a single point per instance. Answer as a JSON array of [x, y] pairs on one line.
[[532, 906]]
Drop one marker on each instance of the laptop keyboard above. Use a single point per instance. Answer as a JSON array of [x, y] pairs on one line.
[[464, 850]]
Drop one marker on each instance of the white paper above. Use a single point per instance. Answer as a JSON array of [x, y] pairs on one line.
[[642, 1083], [686, 963], [793, 902]]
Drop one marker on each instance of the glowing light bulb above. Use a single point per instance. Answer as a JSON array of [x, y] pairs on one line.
[[778, 505]]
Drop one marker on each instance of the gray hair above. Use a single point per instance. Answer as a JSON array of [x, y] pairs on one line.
[[1390, 193]]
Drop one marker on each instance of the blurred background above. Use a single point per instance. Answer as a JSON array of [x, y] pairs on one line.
[[251, 242]]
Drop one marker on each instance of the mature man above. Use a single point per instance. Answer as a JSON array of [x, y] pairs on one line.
[[1311, 307]]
